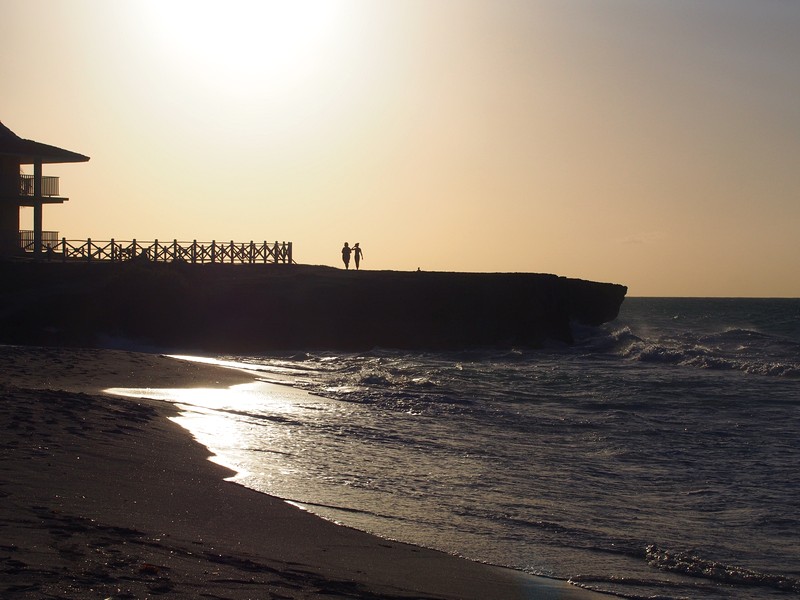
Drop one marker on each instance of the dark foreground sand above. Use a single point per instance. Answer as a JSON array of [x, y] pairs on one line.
[[104, 497]]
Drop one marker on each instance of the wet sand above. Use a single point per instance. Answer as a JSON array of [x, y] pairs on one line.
[[105, 497]]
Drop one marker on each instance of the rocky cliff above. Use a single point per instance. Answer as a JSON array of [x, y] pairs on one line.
[[240, 309]]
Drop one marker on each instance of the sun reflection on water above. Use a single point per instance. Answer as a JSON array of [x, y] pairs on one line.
[[232, 422]]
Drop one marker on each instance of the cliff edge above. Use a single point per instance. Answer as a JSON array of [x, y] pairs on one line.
[[254, 308]]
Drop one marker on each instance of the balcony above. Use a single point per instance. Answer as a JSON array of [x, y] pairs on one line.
[[49, 185], [27, 240]]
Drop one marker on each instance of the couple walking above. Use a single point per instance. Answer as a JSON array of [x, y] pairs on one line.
[[355, 251]]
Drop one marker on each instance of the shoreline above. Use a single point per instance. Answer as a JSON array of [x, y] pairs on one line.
[[107, 495]]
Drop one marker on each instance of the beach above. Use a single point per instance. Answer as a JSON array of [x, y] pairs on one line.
[[106, 497]]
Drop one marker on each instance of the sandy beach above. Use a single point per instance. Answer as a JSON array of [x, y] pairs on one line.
[[105, 497]]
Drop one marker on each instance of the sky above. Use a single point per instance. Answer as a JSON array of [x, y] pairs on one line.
[[653, 143]]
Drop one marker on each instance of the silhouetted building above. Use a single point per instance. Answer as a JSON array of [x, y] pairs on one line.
[[18, 190]]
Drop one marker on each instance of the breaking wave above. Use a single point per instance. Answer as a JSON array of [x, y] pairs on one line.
[[748, 351], [694, 566]]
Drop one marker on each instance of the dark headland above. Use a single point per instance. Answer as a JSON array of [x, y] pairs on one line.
[[252, 308]]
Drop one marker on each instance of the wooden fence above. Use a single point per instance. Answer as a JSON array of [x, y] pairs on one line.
[[189, 252]]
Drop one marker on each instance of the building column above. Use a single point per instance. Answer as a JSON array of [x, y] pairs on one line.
[[37, 209], [9, 210]]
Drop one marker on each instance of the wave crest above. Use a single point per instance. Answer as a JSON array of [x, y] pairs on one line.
[[694, 566], [733, 349], [709, 358]]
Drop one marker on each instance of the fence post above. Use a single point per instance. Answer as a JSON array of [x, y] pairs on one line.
[[233, 252], [194, 252], [289, 252], [213, 251], [113, 252], [63, 249], [89, 250]]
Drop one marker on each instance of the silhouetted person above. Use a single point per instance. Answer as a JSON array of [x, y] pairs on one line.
[[357, 254], [346, 255], [276, 251]]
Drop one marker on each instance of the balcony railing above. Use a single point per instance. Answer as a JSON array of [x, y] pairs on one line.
[[49, 185], [49, 240]]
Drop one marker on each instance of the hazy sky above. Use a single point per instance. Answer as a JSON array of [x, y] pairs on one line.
[[653, 143]]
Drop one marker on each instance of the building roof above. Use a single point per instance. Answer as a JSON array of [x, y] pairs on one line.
[[30, 152]]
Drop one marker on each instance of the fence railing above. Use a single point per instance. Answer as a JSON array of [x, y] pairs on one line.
[[189, 252]]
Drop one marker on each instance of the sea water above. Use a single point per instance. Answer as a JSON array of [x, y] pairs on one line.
[[657, 457]]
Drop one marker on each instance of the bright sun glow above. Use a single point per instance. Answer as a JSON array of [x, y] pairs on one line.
[[246, 42]]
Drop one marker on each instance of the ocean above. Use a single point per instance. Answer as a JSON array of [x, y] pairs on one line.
[[657, 457]]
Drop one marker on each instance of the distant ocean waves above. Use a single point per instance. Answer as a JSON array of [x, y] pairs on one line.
[[735, 349]]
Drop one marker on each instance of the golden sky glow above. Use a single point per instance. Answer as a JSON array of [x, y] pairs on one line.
[[651, 143]]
